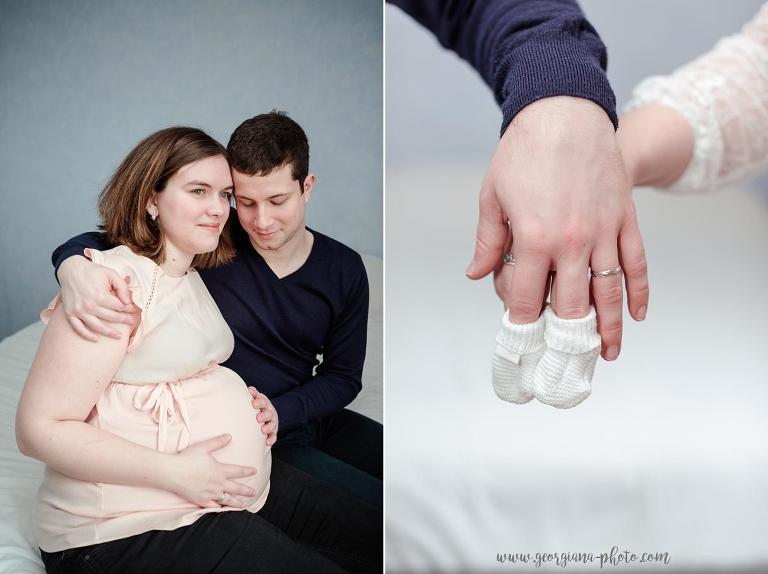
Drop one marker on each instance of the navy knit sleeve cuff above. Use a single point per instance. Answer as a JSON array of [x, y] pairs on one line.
[[290, 412], [76, 246], [552, 66]]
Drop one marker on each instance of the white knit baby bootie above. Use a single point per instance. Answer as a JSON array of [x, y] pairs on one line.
[[518, 350], [564, 375]]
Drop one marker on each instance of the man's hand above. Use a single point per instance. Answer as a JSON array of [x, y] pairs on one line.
[[94, 296], [267, 415], [558, 178]]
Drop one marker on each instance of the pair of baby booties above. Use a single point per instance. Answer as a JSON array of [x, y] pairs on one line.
[[552, 359]]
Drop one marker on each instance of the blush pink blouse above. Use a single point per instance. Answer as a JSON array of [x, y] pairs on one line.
[[169, 392]]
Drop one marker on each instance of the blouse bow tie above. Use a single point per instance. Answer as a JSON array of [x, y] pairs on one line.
[[164, 401]]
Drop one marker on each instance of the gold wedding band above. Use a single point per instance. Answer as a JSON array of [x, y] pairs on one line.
[[607, 273]]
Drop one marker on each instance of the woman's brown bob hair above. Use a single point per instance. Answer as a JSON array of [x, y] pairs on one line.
[[147, 169]]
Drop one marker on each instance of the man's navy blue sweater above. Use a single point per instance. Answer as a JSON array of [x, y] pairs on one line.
[[525, 50], [281, 325]]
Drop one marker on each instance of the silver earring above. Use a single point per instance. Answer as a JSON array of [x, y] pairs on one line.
[[154, 216]]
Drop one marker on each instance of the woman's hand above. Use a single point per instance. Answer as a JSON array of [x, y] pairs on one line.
[[195, 475], [267, 415], [93, 296]]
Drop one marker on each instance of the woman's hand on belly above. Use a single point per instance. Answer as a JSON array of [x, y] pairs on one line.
[[267, 416], [195, 475]]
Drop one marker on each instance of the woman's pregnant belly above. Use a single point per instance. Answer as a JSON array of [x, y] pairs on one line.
[[170, 418]]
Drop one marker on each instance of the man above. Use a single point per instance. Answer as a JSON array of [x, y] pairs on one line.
[[289, 295]]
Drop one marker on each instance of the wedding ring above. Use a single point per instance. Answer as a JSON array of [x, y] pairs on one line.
[[508, 259], [220, 499], [607, 273]]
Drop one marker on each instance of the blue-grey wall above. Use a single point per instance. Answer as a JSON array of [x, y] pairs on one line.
[[83, 81]]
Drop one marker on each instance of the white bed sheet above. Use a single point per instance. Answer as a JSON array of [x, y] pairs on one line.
[[20, 476], [669, 454]]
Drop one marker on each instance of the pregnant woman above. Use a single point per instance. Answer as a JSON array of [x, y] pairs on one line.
[[155, 461]]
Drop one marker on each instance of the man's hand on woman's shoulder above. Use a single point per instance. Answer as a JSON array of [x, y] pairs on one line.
[[94, 298]]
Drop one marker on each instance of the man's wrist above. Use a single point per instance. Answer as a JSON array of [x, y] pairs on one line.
[[559, 120], [71, 262]]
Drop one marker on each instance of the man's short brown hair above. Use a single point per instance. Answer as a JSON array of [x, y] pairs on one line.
[[267, 142]]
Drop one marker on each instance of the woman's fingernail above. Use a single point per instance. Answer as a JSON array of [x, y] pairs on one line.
[[641, 312], [611, 353]]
